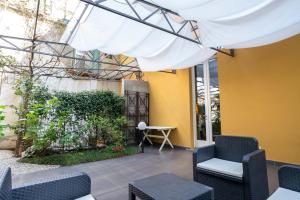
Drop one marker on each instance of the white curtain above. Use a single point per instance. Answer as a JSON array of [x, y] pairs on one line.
[[222, 23]]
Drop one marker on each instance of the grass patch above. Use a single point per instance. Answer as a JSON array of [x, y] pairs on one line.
[[73, 158]]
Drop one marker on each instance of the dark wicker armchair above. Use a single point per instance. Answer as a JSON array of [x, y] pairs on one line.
[[289, 183], [234, 167], [71, 186]]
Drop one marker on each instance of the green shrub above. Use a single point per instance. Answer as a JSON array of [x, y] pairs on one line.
[[2, 118], [70, 121], [110, 131]]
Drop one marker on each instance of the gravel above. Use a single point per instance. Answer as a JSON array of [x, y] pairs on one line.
[[8, 160]]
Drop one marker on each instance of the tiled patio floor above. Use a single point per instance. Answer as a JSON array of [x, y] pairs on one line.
[[110, 178]]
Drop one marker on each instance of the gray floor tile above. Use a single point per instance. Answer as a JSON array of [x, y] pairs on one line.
[[110, 178]]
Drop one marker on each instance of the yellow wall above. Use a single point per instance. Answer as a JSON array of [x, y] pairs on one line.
[[260, 97], [170, 97]]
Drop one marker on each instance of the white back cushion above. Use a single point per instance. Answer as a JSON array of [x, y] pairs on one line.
[[223, 166], [284, 194], [87, 197]]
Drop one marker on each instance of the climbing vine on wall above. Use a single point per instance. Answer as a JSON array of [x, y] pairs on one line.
[[87, 103]]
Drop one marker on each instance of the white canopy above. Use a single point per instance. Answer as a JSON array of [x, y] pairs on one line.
[[221, 23]]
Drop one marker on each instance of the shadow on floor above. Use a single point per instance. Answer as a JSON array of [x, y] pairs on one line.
[[110, 178]]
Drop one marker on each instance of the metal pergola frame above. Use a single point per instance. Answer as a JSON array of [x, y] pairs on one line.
[[158, 9], [57, 51], [60, 51]]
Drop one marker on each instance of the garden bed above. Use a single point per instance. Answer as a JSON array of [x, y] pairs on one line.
[[73, 158]]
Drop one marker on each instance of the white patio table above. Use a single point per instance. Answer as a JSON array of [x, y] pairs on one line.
[[164, 130]]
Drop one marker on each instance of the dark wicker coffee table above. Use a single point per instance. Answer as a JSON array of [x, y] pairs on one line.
[[169, 187]]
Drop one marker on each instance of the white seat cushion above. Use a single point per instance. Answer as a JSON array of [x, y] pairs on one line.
[[284, 194], [87, 197], [223, 166]]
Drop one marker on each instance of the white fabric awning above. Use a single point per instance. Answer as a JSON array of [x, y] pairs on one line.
[[221, 23], [240, 23]]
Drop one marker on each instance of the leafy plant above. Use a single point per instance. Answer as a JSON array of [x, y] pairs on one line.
[[119, 125], [2, 118], [97, 128], [104, 129], [23, 88], [42, 136]]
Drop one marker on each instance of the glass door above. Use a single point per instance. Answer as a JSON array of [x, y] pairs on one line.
[[207, 121]]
